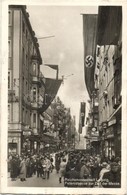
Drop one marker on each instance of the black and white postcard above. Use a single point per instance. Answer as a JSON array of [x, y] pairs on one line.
[[63, 97]]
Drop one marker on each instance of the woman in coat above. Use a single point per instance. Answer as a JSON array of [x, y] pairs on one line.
[[23, 170]]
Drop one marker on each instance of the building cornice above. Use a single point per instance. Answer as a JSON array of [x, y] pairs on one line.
[[34, 39]]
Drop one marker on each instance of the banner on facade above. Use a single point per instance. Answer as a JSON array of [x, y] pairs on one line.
[[82, 116], [109, 25], [51, 89], [83, 109], [89, 38]]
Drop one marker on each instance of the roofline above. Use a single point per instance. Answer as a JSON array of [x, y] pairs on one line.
[[35, 40]]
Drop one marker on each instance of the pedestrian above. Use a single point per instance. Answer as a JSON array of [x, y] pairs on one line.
[[72, 173], [105, 169], [23, 169], [13, 168], [27, 166], [85, 172], [52, 167], [57, 163], [48, 167], [17, 165], [95, 168], [39, 167], [9, 163], [112, 179], [62, 169]]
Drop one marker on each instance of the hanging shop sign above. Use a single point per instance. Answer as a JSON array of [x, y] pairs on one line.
[[104, 125], [94, 132]]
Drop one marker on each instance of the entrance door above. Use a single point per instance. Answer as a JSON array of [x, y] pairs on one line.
[[12, 148]]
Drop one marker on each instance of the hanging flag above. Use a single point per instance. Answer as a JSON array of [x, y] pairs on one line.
[[51, 89], [55, 67], [89, 39], [80, 126], [109, 25], [82, 116], [83, 108]]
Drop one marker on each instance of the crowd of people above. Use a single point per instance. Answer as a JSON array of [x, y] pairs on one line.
[[102, 172], [70, 166], [26, 166]]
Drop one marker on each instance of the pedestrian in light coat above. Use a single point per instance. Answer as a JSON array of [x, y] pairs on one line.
[[23, 170], [47, 168], [62, 169]]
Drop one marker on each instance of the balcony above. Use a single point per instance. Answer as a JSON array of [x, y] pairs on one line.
[[36, 80], [26, 100], [37, 105]]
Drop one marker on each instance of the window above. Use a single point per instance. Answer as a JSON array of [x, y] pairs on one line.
[[23, 56], [10, 18], [26, 61], [34, 69], [23, 115], [9, 80], [30, 118], [26, 88], [9, 48], [23, 27], [23, 85], [34, 120], [9, 113], [9, 31], [34, 94]]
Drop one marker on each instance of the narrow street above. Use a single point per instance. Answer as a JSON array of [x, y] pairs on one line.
[[33, 181]]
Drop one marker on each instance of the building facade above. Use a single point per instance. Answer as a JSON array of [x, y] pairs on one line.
[[109, 62], [106, 98], [26, 84]]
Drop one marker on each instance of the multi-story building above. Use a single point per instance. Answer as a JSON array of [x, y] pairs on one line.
[[109, 63], [105, 101], [25, 83]]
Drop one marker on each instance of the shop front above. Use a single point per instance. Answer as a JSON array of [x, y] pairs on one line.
[[109, 144], [14, 143]]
